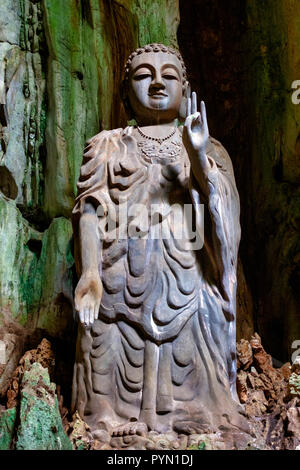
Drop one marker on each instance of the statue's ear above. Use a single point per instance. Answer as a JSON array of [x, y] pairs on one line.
[[183, 106]]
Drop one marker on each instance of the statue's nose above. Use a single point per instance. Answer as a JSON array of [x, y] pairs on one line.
[[157, 81]]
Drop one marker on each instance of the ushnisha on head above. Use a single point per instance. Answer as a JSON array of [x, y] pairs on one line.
[[155, 84]]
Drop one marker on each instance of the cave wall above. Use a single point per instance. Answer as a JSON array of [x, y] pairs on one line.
[[61, 63], [243, 56], [272, 223]]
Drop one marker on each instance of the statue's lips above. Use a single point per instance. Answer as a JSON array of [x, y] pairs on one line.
[[158, 95]]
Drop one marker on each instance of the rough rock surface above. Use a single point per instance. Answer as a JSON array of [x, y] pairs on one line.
[[32, 419], [36, 416], [40, 421], [43, 355], [270, 396], [7, 426], [14, 344], [79, 434], [260, 386]]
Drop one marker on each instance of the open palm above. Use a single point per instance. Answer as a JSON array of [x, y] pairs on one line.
[[196, 135], [195, 126], [88, 295]]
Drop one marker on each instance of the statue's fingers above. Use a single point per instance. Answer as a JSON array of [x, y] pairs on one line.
[[204, 117], [188, 122], [91, 310], [81, 315], [86, 316], [96, 311], [78, 302], [188, 112], [198, 119], [194, 102]]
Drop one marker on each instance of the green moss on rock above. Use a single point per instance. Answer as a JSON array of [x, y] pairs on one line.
[[7, 425], [17, 261], [35, 271], [53, 284], [40, 421]]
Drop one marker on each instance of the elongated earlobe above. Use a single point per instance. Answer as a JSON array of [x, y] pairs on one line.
[[183, 106]]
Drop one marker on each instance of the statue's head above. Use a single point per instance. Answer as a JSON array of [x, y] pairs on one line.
[[154, 84]]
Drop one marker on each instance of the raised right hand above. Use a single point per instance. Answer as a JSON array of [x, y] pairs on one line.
[[195, 132], [88, 295]]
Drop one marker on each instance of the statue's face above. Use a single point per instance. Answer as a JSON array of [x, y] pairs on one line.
[[155, 86]]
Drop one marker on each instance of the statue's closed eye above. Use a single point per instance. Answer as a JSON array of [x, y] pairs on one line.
[[170, 77], [142, 76]]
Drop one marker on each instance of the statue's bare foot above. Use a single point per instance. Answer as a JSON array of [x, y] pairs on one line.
[[190, 427], [103, 432], [130, 429]]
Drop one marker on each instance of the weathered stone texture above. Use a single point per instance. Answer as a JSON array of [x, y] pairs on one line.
[[22, 103]]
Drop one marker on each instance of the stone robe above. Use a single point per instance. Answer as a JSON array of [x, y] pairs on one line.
[[162, 350]]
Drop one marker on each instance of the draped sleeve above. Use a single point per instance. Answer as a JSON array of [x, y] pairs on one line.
[[92, 183], [221, 223]]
